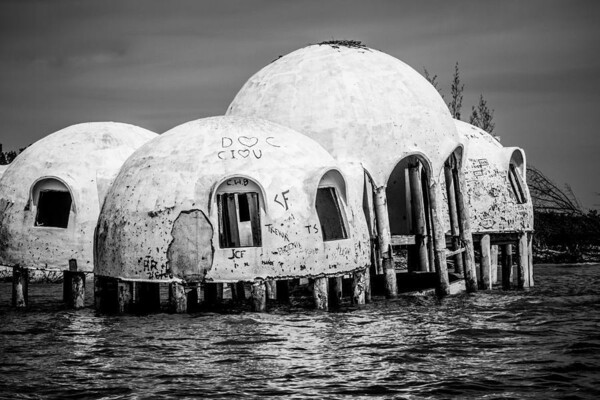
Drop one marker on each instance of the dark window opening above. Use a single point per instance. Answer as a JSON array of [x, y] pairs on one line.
[[53, 209], [330, 215], [239, 220], [516, 184]]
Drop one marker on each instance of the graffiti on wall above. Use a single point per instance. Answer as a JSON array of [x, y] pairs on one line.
[[244, 147]]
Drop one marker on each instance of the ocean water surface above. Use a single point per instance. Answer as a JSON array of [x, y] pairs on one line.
[[537, 343]]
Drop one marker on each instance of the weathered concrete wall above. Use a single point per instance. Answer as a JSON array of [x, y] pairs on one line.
[[160, 219], [360, 104], [492, 203], [76, 156], [2, 169]]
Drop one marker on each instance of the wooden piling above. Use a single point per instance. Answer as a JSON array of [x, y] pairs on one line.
[[259, 296], [335, 292], [530, 257], [358, 288], [485, 266], [506, 266], [385, 242], [522, 262], [439, 242], [321, 293], [418, 214], [453, 213], [20, 287], [464, 223], [177, 298], [494, 262]]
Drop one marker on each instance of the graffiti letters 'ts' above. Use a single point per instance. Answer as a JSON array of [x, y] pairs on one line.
[[285, 199], [314, 228]]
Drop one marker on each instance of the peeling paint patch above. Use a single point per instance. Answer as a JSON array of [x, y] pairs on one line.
[[190, 254]]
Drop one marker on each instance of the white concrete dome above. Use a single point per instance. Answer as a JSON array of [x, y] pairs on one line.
[[228, 199], [51, 194], [499, 200], [359, 103]]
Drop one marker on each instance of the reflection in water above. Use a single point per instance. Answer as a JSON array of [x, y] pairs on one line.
[[544, 342]]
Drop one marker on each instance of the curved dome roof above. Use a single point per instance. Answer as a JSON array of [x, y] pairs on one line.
[[359, 103], [85, 158], [176, 177], [492, 202]]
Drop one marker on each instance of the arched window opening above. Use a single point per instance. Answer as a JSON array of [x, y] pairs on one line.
[[239, 213], [516, 184], [330, 209], [53, 200]]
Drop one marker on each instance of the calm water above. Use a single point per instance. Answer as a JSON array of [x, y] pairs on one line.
[[541, 343]]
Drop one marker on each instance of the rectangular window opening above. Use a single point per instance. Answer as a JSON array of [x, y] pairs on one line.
[[239, 220], [331, 217], [53, 209]]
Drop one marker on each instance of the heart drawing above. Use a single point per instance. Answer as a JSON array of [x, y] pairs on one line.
[[244, 153], [248, 141]]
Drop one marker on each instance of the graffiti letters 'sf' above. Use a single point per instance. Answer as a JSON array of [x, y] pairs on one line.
[[285, 200]]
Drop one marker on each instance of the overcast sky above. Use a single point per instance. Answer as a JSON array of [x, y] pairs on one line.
[[158, 64]]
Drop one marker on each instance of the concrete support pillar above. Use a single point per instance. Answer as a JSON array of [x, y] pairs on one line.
[[485, 266], [358, 288], [530, 257], [418, 215], [195, 297], [259, 296], [124, 296], [385, 241], [367, 285], [219, 294], [73, 286], [522, 262], [464, 222], [494, 262], [20, 287], [335, 292], [506, 266], [453, 213], [177, 298], [321, 293], [439, 242], [271, 289]]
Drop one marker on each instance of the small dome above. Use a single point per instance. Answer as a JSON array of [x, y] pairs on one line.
[[50, 195], [498, 196], [359, 103], [227, 199]]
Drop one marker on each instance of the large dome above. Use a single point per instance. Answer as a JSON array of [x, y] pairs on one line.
[[171, 212], [50, 195], [359, 103]]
